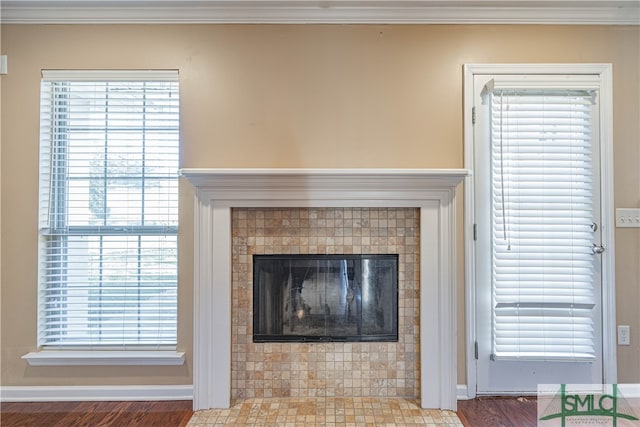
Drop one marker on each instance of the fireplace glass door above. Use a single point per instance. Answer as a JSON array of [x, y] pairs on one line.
[[318, 298]]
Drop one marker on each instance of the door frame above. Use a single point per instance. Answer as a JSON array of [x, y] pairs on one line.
[[604, 71]]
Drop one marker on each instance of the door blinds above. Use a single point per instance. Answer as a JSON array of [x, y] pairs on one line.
[[543, 223]]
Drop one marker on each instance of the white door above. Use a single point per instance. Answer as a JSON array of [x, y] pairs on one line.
[[538, 247]]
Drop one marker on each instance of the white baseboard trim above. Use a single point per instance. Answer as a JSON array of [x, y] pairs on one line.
[[95, 393], [462, 393]]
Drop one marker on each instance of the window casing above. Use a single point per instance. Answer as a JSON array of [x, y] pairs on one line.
[[108, 221]]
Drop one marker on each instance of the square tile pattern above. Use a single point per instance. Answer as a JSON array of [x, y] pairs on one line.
[[325, 411], [301, 370]]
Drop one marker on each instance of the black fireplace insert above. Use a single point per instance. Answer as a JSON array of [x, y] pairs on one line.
[[325, 298]]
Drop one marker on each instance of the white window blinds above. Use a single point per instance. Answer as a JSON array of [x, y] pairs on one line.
[[108, 208], [542, 223]]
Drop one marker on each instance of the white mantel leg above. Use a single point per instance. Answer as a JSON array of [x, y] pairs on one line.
[[437, 304], [212, 317]]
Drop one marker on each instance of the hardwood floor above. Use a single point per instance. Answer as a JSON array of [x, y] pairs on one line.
[[480, 412], [498, 412], [96, 414]]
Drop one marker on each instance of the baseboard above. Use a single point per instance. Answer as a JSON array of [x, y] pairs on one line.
[[462, 392], [95, 393], [116, 393]]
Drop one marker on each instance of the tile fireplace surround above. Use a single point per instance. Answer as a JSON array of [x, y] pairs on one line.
[[355, 369], [430, 191]]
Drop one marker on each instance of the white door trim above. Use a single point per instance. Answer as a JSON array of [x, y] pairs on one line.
[[604, 71]]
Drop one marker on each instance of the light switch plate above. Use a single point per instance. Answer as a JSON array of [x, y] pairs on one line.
[[627, 217]]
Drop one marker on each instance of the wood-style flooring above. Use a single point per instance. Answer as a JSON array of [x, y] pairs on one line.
[[96, 414], [498, 412], [480, 412]]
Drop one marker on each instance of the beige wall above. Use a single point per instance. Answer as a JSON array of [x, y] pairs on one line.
[[293, 96]]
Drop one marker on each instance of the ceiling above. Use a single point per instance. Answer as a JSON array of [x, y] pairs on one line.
[[605, 12]]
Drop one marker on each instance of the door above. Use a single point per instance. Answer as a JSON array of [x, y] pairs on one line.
[[538, 244]]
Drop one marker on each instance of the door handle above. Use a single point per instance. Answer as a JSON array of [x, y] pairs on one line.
[[597, 249]]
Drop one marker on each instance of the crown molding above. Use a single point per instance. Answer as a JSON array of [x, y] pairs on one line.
[[597, 12]]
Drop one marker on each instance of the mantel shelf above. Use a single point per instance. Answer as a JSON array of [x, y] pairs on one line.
[[323, 179]]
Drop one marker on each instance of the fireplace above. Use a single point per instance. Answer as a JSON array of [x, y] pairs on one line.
[[219, 191], [325, 298]]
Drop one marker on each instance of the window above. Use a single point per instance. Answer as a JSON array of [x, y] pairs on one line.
[[109, 146]]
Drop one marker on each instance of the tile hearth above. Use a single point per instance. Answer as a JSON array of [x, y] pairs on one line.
[[330, 412]]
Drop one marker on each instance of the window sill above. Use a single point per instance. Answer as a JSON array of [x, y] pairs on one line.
[[104, 358]]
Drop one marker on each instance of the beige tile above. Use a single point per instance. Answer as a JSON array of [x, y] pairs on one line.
[[319, 369], [325, 412]]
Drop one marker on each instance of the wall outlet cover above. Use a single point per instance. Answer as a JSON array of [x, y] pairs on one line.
[[624, 335], [627, 217]]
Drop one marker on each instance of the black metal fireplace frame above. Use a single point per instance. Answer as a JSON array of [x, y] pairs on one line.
[[300, 338]]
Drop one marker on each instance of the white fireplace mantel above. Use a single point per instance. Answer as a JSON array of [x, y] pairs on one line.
[[220, 190]]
